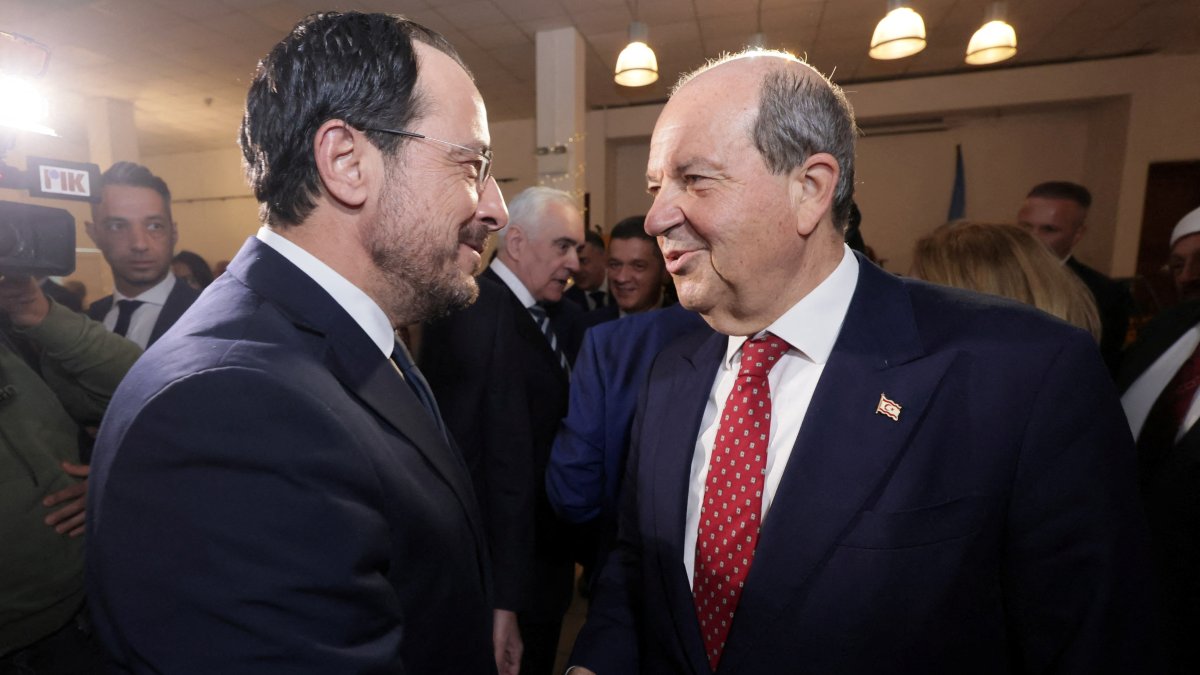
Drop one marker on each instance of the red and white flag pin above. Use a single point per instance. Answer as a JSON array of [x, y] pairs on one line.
[[888, 407]]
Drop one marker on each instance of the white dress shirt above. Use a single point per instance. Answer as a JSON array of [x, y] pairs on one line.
[[141, 322], [514, 284], [365, 311], [811, 327], [1141, 395]]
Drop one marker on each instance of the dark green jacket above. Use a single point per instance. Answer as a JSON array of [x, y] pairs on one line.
[[41, 571]]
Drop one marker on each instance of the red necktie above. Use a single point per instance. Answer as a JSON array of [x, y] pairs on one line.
[[1162, 424], [731, 507]]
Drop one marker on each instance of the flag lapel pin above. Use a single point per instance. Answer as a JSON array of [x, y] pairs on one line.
[[888, 407]]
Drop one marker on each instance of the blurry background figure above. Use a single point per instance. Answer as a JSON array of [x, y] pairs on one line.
[[1184, 259], [591, 279], [1056, 213], [1158, 381], [219, 268], [1005, 260], [192, 269], [78, 289]]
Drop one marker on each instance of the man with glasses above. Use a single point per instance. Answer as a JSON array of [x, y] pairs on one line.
[[274, 489]]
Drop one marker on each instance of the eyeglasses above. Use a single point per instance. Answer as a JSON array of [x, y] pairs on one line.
[[483, 161]]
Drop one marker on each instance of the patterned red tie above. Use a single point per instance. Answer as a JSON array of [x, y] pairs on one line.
[[732, 502]]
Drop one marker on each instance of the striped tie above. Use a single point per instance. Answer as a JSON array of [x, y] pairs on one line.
[[543, 321]]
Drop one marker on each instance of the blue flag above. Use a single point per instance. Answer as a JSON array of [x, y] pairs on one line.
[[958, 196]]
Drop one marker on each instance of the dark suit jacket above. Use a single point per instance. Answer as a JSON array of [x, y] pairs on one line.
[[588, 458], [1170, 480], [180, 298], [992, 528], [1114, 303], [582, 322], [267, 495], [502, 393], [578, 296]]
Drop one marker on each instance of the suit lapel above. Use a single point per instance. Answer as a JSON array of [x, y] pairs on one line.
[[356, 362], [178, 301], [685, 398], [843, 454], [529, 331]]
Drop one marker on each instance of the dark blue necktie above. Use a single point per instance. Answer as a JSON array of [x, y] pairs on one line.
[[416, 381], [125, 310]]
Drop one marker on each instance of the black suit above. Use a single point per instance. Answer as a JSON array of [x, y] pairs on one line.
[[268, 496], [502, 392], [1170, 480], [1114, 303], [181, 297]]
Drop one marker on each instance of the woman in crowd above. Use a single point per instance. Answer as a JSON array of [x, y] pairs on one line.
[[1005, 260]]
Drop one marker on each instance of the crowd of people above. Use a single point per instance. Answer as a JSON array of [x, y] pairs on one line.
[[767, 453]]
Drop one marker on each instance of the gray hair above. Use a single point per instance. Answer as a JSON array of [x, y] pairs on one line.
[[800, 114], [525, 210]]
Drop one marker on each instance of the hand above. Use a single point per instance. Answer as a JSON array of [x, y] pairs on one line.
[[506, 642], [69, 519], [23, 301]]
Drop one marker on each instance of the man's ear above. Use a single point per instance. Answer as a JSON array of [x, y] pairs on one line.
[[514, 242], [340, 153], [810, 189]]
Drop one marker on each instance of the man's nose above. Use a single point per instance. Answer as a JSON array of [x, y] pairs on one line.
[[492, 211]]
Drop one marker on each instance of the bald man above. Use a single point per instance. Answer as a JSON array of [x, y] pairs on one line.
[[857, 473]]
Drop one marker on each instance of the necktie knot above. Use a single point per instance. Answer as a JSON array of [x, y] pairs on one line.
[[760, 355]]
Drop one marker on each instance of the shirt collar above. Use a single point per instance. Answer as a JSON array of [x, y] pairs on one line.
[[514, 284], [365, 312], [811, 326], [157, 295]]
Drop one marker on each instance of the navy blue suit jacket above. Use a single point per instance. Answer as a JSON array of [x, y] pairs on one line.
[[588, 457], [269, 496], [178, 301], [993, 528]]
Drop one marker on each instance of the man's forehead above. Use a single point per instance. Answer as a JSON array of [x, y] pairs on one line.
[[1186, 246]]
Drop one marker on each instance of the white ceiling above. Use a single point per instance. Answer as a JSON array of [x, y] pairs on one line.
[[185, 64]]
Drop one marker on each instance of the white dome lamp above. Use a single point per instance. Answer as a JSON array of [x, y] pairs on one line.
[[636, 66], [995, 40], [899, 34]]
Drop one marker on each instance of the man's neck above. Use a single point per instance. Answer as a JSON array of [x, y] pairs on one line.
[[132, 290]]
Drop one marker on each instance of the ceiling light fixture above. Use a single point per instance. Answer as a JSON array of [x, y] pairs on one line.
[[637, 65], [995, 40], [899, 34]]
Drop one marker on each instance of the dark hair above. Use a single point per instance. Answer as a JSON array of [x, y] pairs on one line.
[[131, 174], [201, 272], [1061, 189], [802, 113], [360, 68], [593, 237], [633, 227]]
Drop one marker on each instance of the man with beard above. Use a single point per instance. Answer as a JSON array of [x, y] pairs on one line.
[[1158, 381], [501, 378], [132, 227], [274, 489]]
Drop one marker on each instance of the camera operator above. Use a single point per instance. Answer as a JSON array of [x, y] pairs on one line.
[[58, 370]]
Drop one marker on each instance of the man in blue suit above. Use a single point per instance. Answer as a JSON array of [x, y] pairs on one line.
[[860, 474], [273, 489]]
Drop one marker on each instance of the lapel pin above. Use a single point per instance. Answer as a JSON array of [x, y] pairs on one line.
[[888, 407]]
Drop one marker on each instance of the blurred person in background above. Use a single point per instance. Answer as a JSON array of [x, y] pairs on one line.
[[1008, 261]]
